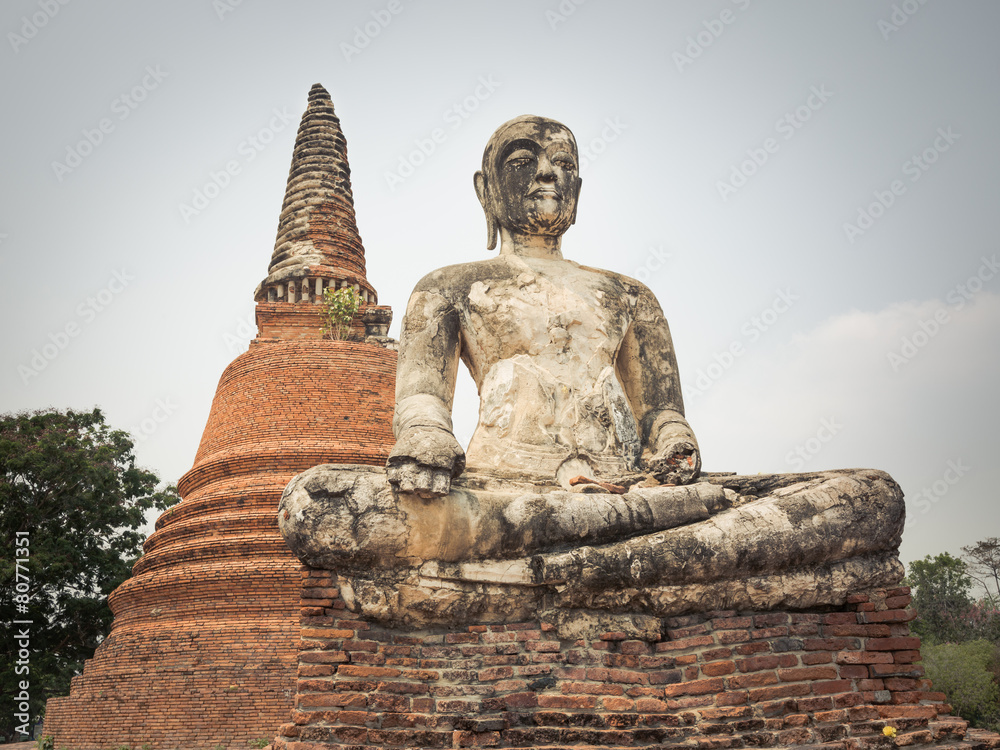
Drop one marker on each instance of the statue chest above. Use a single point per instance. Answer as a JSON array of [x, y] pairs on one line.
[[570, 322]]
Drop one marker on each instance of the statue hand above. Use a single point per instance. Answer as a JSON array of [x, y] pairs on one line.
[[424, 461], [677, 462]]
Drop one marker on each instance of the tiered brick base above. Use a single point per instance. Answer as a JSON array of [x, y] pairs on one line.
[[723, 679], [203, 649]]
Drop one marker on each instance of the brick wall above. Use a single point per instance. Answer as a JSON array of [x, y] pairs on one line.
[[723, 679], [203, 650], [300, 321]]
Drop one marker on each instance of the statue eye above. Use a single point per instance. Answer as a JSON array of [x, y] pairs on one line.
[[519, 159]]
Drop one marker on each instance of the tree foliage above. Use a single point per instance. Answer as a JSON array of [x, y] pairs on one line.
[[339, 308], [941, 597], [70, 486], [966, 673], [983, 562]]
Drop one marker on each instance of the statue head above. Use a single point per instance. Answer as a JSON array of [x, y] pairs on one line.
[[530, 180]]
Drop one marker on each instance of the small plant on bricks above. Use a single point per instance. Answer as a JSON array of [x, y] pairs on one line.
[[339, 308]]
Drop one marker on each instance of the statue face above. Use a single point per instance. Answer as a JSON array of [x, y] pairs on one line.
[[537, 178], [531, 177]]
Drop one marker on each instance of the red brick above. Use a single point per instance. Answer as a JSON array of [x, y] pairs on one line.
[[614, 635], [833, 686], [495, 673], [749, 649], [889, 615], [812, 705], [732, 623], [907, 712], [650, 706], [839, 715], [757, 663], [817, 657], [893, 644], [863, 657], [716, 653], [714, 714], [718, 668], [591, 688], [727, 637], [520, 700], [627, 676], [697, 687], [665, 677], [635, 647], [322, 657], [853, 672], [350, 670], [829, 644], [565, 701], [770, 620], [794, 737], [896, 670], [840, 618], [686, 632], [754, 679], [807, 673], [543, 646], [612, 703], [778, 691], [685, 643]]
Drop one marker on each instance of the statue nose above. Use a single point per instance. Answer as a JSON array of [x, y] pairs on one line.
[[546, 169]]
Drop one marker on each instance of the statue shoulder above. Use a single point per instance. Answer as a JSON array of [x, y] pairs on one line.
[[629, 286], [454, 282]]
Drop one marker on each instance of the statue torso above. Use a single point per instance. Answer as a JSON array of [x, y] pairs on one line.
[[540, 338]]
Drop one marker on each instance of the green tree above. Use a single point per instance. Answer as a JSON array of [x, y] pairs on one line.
[[941, 598], [69, 486], [983, 561]]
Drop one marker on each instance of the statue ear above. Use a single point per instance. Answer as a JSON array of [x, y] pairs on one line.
[[479, 179]]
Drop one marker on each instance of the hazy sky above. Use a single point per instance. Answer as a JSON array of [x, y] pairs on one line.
[[810, 188]]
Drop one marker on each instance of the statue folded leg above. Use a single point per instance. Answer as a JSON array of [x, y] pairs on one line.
[[810, 540]]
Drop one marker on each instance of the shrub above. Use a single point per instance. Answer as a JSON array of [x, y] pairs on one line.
[[965, 672], [339, 308]]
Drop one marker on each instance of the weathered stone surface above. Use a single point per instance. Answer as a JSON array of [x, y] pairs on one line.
[[661, 551], [349, 518], [579, 400]]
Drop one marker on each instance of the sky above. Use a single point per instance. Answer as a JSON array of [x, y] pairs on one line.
[[807, 187]]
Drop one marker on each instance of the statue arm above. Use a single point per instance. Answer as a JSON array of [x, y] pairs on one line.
[[647, 368], [426, 456]]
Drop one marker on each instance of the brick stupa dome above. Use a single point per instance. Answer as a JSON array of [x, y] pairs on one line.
[[203, 648]]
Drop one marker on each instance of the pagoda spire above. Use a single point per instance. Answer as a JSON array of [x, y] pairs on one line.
[[318, 244]]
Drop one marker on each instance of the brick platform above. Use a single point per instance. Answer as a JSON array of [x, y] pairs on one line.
[[724, 679]]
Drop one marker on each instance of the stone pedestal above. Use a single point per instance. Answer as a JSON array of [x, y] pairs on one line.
[[719, 679]]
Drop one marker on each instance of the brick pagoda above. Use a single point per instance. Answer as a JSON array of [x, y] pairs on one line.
[[204, 647]]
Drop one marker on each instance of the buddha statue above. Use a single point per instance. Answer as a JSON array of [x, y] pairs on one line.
[[581, 486]]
